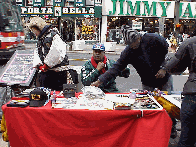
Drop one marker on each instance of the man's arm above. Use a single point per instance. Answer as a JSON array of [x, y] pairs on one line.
[[116, 69], [124, 73], [57, 52], [171, 66]]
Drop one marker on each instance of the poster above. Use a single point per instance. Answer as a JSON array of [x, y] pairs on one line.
[[19, 69]]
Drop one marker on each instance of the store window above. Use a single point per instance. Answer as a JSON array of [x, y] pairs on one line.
[[29, 2], [49, 3], [87, 29], [89, 2]]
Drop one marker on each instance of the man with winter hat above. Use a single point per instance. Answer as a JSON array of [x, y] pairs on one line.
[[50, 55], [98, 65], [147, 55]]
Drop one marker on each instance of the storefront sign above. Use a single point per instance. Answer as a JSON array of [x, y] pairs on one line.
[[59, 11], [77, 12], [36, 11], [148, 8], [137, 25]]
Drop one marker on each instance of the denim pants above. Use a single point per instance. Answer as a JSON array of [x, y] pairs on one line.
[[188, 121]]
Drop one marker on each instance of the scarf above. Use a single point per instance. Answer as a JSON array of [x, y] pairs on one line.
[[95, 64]]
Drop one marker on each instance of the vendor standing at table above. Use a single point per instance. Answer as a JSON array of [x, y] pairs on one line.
[[97, 66], [50, 55], [183, 58]]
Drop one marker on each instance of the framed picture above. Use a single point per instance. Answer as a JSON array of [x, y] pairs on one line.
[[89, 2], [49, 2], [98, 1], [30, 2]]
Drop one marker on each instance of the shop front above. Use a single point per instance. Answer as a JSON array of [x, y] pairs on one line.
[[145, 16], [76, 20]]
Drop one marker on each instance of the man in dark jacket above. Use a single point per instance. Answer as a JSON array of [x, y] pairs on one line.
[[98, 65], [183, 58], [147, 54]]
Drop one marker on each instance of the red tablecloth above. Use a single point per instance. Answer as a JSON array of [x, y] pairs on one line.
[[46, 127]]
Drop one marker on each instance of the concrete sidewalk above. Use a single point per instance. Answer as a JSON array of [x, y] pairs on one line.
[[88, 49]]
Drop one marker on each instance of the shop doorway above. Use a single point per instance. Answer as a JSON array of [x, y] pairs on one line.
[[68, 29]]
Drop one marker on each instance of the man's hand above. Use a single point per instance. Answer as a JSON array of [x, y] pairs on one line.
[[161, 73], [96, 83], [43, 68], [100, 66]]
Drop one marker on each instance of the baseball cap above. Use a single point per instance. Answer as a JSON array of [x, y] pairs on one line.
[[38, 97], [129, 35], [99, 46]]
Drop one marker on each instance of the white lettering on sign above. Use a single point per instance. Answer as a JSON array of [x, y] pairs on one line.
[[49, 10], [92, 10], [72, 10], [65, 10], [77, 10], [36, 10], [30, 10], [43, 10], [84, 10]]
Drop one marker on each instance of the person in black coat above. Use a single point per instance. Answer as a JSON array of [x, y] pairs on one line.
[[147, 55]]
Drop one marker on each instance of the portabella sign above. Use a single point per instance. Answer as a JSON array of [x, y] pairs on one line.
[[64, 11], [148, 8]]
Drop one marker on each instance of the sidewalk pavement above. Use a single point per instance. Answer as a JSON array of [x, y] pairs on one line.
[[88, 49]]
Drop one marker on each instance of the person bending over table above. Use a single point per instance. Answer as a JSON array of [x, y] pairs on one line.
[[147, 55], [97, 66]]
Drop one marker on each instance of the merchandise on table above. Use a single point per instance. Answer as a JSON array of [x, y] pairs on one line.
[[92, 92], [171, 103], [69, 90], [66, 103], [18, 103], [146, 102], [39, 97]]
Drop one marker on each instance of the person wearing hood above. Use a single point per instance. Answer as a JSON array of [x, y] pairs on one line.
[[50, 57], [184, 58]]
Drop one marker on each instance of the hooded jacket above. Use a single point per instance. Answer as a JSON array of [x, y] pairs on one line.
[[51, 49], [147, 60], [183, 58]]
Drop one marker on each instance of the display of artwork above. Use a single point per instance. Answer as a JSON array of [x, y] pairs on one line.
[[19, 70]]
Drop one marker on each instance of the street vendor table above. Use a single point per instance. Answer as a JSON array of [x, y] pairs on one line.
[[46, 127]]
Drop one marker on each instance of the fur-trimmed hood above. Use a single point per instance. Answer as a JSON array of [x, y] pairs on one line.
[[37, 21]]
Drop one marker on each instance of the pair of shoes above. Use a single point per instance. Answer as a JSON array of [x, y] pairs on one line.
[[173, 132]]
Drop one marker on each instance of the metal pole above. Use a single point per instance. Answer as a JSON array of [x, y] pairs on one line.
[[176, 16], [75, 29], [99, 30]]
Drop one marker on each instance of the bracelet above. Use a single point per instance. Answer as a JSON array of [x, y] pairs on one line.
[[162, 67]]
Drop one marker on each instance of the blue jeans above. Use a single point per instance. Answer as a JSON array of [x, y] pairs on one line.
[[188, 121]]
